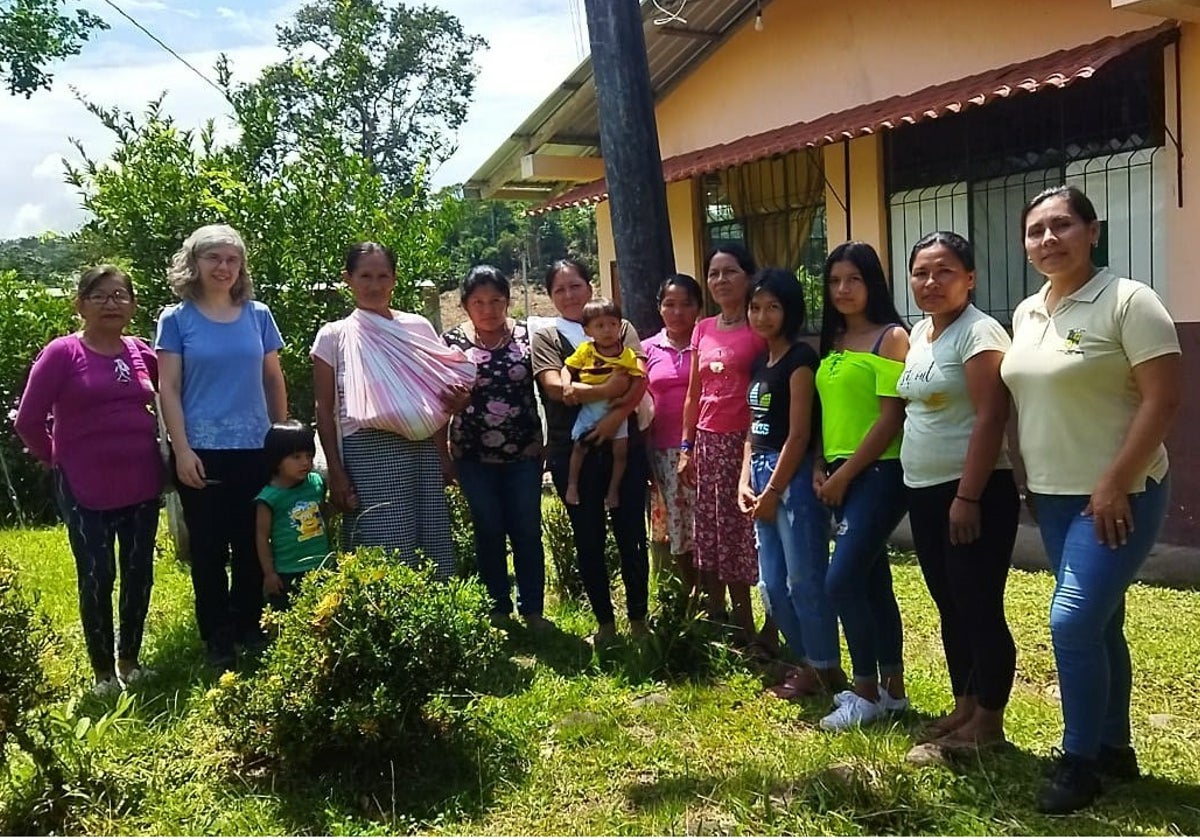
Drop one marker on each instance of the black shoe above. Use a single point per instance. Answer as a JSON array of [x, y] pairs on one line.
[[254, 642], [1074, 785], [222, 657], [1118, 763]]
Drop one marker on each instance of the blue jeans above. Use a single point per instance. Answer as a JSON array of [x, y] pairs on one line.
[[506, 500], [1087, 613], [793, 557], [859, 581]]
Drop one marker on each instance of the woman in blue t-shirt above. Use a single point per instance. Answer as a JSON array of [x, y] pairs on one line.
[[222, 387], [776, 487]]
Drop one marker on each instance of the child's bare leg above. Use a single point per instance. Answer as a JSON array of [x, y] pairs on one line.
[[573, 467], [620, 451]]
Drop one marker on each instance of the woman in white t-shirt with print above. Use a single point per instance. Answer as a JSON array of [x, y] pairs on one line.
[[962, 499]]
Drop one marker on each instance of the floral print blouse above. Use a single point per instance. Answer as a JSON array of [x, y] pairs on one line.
[[501, 424]]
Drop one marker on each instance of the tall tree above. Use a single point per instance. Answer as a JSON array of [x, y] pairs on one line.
[[393, 82], [35, 33]]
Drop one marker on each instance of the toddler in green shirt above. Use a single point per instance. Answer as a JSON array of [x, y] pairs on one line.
[[290, 534]]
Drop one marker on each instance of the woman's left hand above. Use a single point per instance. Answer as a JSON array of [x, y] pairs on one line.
[[456, 398], [965, 524], [766, 506], [1109, 508], [607, 428], [833, 491]]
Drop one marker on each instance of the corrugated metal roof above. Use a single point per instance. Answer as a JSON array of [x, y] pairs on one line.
[[671, 50], [1056, 70]]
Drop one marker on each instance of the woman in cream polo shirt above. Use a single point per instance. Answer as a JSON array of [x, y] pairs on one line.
[[1095, 375]]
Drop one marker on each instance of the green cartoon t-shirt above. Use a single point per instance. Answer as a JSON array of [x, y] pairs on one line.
[[299, 540]]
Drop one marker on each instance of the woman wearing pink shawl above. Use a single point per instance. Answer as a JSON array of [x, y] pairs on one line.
[[385, 388]]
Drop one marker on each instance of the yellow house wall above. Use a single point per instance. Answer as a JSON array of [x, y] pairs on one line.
[[864, 194], [606, 251], [813, 59], [1182, 289], [683, 209], [687, 237]]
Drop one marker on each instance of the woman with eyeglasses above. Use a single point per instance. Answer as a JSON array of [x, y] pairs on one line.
[[84, 414]]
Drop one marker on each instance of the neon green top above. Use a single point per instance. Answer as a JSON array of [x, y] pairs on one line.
[[850, 383]]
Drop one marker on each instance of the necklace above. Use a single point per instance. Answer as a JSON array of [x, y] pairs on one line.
[[729, 322], [504, 336]]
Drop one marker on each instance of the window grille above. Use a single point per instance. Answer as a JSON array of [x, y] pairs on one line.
[[973, 173]]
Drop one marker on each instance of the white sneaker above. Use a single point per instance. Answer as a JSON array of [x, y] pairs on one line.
[[106, 688], [843, 697], [854, 712], [886, 700], [890, 703], [136, 675]]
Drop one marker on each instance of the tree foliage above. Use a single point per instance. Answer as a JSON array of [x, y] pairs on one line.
[[392, 83], [162, 182], [501, 233], [42, 259], [35, 33]]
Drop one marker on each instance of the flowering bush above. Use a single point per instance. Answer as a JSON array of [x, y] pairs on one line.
[[354, 662]]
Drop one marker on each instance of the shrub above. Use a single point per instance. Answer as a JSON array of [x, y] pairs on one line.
[[32, 315], [26, 645], [363, 649], [462, 532]]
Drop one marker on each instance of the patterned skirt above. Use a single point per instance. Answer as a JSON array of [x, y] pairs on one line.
[[724, 536], [672, 503], [401, 498]]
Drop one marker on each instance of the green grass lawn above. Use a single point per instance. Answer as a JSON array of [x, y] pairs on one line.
[[595, 746]]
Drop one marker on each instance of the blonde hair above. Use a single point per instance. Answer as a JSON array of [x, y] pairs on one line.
[[184, 273]]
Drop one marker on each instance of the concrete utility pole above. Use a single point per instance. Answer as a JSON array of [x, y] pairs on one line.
[[637, 195]]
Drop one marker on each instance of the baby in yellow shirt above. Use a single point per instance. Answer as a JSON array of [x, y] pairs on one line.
[[592, 363]]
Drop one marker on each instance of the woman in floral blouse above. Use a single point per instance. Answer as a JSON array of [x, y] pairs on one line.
[[496, 443]]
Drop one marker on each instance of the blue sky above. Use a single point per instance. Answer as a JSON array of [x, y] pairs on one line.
[[533, 45]]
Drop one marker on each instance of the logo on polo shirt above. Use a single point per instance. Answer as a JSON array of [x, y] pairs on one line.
[[1071, 343]]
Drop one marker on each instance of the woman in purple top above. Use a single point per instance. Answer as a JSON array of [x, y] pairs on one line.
[[84, 414], [668, 371]]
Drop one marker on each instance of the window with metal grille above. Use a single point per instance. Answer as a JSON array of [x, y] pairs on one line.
[[776, 209], [973, 172]]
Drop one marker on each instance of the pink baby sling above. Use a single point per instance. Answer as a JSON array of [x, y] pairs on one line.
[[394, 378]]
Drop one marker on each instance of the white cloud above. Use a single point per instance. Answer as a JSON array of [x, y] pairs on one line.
[[51, 167], [532, 48]]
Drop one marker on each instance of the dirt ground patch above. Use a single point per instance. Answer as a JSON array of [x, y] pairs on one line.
[[539, 304]]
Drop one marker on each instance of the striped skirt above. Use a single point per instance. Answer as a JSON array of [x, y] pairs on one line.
[[401, 498]]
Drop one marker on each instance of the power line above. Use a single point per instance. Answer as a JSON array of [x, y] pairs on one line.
[[162, 44]]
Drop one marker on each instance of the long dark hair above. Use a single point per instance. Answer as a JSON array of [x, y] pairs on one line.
[[782, 285], [881, 309]]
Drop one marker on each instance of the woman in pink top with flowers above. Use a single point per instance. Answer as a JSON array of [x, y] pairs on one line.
[[716, 417], [85, 415]]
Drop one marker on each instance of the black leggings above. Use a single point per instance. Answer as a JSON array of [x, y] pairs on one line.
[[967, 584], [628, 524], [220, 521], [95, 536]]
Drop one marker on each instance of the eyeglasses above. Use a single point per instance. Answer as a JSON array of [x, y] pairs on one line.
[[118, 296], [216, 260]]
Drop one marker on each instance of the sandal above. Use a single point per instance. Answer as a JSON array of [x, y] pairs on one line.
[[937, 729], [800, 682]]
